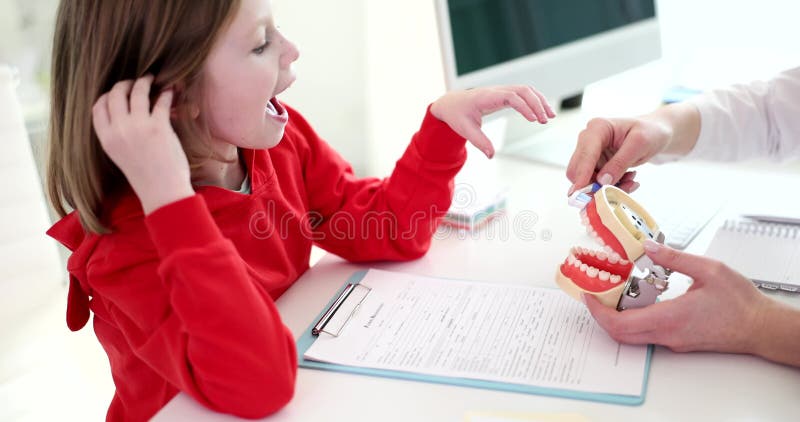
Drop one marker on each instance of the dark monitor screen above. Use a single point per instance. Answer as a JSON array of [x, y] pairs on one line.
[[489, 32]]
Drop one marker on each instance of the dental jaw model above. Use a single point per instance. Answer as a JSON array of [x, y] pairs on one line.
[[620, 275]]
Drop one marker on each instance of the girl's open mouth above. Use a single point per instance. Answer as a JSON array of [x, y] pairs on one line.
[[276, 110]]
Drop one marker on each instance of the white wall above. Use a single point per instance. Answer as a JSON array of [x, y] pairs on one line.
[[330, 90], [718, 42], [366, 73], [30, 269], [404, 75]]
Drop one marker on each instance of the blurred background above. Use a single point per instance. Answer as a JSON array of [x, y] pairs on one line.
[[366, 73]]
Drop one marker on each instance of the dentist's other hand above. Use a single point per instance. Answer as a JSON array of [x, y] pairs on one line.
[[722, 311]]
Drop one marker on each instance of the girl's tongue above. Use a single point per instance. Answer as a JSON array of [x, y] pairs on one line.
[[275, 108]]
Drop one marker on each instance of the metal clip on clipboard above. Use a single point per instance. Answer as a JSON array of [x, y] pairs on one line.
[[341, 310]]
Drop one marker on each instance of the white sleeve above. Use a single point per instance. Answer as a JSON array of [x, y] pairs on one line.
[[759, 120]]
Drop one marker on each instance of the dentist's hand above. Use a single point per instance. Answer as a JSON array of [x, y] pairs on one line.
[[607, 148], [722, 310], [142, 143], [463, 110]]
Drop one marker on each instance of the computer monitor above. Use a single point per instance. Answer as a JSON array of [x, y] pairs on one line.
[[558, 46]]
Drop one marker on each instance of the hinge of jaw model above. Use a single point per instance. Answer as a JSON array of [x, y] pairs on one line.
[[620, 225]]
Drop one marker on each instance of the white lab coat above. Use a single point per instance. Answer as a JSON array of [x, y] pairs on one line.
[[757, 120]]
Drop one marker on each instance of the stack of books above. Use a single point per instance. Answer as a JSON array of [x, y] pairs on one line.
[[474, 206]]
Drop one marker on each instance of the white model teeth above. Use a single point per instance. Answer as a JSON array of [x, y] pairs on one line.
[[611, 255], [599, 256], [604, 255], [590, 271]]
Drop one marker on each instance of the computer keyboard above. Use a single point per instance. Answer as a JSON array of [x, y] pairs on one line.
[[681, 225]]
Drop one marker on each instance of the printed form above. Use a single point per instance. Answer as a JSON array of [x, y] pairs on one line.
[[505, 333]]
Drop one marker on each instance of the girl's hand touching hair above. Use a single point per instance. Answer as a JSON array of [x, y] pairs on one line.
[[463, 110], [142, 143]]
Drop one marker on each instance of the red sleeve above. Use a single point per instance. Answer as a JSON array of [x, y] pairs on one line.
[[384, 219], [220, 338]]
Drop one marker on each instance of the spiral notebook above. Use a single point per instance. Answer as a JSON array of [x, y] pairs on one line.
[[766, 252]]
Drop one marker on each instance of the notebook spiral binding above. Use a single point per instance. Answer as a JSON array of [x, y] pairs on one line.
[[772, 230], [760, 228]]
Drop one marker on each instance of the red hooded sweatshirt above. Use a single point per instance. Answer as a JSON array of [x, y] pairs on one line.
[[183, 299]]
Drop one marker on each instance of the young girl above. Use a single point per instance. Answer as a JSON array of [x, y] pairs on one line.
[[197, 194]]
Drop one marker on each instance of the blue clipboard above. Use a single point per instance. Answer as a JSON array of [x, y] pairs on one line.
[[307, 339]]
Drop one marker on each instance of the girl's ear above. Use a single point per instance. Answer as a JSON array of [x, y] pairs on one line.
[[177, 99], [182, 103], [192, 109]]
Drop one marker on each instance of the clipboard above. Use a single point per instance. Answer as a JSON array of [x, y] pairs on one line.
[[335, 305]]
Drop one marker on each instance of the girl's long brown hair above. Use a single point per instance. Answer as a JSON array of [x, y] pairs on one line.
[[98, 43]]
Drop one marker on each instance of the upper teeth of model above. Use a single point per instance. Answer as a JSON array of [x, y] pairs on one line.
[[610, 256]]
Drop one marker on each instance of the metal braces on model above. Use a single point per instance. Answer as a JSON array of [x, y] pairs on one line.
[[620, 275]]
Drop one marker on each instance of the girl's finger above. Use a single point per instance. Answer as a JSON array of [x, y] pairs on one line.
[[163, 104], [118, 99], [140, 96], [515, 101], [472, 131], [549, 110], [534, 102]]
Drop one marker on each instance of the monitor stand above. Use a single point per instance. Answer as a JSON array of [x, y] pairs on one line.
[[572, 102]]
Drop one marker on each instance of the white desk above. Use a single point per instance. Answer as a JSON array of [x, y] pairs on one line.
[[682, 386]]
